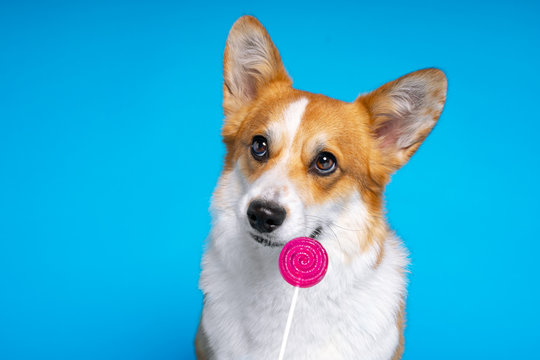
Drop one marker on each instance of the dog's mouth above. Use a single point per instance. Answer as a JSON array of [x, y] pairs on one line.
[[270, 243], [264, 241], [316, 233]]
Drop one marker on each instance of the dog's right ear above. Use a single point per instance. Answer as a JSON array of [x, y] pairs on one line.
[[251, 61]]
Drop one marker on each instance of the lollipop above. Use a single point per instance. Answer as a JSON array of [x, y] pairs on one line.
[[303, 263]]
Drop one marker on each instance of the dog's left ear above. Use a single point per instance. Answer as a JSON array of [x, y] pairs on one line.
[[403, 112], [251, 61]]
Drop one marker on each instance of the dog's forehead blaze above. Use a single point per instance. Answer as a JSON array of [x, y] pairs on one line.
[[326, 124]]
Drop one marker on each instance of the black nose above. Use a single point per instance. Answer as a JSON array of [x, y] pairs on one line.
[[265, 216]]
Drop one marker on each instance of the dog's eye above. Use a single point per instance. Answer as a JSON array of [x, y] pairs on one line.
[[259, 148], [325, 163]]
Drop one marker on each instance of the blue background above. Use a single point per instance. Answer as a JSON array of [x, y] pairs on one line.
[[110, 114]]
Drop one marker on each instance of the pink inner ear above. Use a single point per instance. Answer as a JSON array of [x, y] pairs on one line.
[[388, 133]]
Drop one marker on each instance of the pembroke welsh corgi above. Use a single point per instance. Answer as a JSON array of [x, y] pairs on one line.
[[302, 164]]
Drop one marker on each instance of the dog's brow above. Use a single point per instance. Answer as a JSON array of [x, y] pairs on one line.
[[317, 144]]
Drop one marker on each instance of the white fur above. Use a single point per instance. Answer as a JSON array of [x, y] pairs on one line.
[[351, 314], [286, 128]]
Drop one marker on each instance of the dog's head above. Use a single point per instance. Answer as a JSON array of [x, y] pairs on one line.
[[302, 164]]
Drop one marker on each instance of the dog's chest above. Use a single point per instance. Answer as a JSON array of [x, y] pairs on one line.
[[246, 311]]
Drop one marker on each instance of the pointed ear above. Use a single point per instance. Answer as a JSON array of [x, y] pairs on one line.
[[403, 112], [251, 61]]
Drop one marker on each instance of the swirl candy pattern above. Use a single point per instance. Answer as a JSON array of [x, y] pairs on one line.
[[303, 262]]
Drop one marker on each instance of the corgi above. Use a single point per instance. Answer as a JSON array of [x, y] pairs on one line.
[[303, 164]]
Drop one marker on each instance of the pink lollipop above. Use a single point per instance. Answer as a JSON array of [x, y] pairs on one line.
[[302, 263]]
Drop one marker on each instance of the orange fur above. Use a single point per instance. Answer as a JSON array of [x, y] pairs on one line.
[[401, 326]]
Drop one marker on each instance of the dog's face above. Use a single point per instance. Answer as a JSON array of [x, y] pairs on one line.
[[299, 163]]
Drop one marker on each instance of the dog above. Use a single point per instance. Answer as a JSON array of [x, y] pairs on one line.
[[303, 164]]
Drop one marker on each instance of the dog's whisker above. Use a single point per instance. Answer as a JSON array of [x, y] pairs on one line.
[[334, 224], [337, 238], [323, 225]]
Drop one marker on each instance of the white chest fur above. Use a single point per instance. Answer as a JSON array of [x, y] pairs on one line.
[[351, 314]]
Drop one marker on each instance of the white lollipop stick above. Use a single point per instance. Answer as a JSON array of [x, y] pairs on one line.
[[289, 322]]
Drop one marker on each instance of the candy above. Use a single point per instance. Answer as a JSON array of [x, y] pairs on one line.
[[303, 262]]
